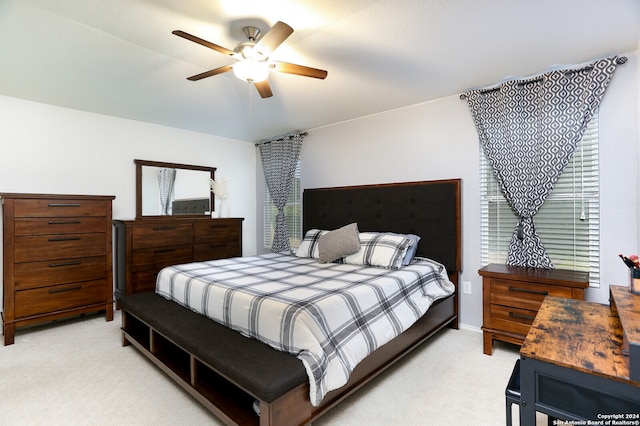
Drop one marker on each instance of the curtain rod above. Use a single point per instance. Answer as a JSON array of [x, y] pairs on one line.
[[619, 61], [280, 138]]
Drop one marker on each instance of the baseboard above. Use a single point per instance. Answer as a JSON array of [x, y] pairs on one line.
[[470, 328]]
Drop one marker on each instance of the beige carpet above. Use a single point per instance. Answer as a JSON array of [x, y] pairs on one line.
[[77, 373]]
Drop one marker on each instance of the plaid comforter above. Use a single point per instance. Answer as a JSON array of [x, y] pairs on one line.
[[330, 315]]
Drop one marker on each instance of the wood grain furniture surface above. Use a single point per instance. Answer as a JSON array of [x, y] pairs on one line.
[[573, 366], [57, 258], [229, 384], [626, 306], [511, 297], [145, 246]]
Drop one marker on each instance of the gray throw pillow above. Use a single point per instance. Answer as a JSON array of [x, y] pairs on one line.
[[338, 243]]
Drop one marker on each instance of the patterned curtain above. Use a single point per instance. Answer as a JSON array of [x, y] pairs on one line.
[[166, 179], [529, 130], [279, 158]]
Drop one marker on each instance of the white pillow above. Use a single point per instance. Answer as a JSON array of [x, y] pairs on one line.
[[383, 250], [309, 244]]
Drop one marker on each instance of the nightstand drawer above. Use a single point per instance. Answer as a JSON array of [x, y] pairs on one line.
[[522, 294], [512, 320], [56, 298]]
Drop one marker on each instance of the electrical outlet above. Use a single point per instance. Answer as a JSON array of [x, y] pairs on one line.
[[466, 287]]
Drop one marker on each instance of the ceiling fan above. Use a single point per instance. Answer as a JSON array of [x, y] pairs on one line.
[[253, 64]]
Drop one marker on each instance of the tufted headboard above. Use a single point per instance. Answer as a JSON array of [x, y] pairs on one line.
[[190, 206], [430, 209]]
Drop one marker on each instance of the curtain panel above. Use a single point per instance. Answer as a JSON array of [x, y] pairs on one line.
[[529, 130], [279, 157], [166, 181]]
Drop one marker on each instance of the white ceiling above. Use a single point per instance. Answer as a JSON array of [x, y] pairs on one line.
[[119, 58]]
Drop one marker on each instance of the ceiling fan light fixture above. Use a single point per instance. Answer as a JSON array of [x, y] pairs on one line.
[[251, 70]]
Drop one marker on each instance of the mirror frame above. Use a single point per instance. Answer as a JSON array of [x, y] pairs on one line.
[[140, 163]]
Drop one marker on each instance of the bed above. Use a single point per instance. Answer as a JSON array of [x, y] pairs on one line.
[[273, 382]]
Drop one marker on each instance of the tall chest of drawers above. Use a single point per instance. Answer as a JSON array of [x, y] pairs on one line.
[[57, 258], [511, 297], [145, 246]]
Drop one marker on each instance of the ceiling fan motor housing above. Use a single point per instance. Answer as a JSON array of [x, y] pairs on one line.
[[252, 33], [246, 49]]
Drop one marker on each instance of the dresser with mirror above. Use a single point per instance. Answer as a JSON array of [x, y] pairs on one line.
[[175, 223]]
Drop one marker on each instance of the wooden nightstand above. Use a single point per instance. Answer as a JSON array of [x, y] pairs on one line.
[[511, 297]]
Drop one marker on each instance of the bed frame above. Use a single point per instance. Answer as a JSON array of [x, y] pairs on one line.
[[227, 382]]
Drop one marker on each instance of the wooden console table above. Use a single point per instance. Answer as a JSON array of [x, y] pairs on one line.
[[573, 366]]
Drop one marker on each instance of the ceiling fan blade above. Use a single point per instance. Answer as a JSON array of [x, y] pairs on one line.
[[203, 42], [210, 73], [273, 38], [288, 68], [264, 88]]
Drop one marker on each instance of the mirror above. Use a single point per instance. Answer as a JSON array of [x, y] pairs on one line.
[[186, 189]]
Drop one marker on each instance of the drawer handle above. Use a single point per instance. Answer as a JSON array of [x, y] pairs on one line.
[[63, 205], [521, 316], [54, 239], [56, 265], [167, 250], [62, 222], [63, 290], [164, 228], [528, 290]]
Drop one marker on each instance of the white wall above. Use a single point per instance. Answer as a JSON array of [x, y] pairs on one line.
[[47, 149], [437, 140], [619, 196]]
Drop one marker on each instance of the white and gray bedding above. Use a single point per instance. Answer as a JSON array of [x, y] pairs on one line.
[[329, 315]]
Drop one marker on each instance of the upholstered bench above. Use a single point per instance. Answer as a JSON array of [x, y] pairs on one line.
[[254, 367]]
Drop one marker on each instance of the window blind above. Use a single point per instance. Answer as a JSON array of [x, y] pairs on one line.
[[569, 221], [292, 213]]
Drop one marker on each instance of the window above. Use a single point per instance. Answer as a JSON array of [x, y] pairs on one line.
[[292, 213], [568, 223]]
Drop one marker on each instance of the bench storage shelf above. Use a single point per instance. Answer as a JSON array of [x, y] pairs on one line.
[[218, 375], [201, 381], [228, 372]]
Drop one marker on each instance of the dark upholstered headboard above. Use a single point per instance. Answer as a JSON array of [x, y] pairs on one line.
[[430, 209], [190, 206]]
